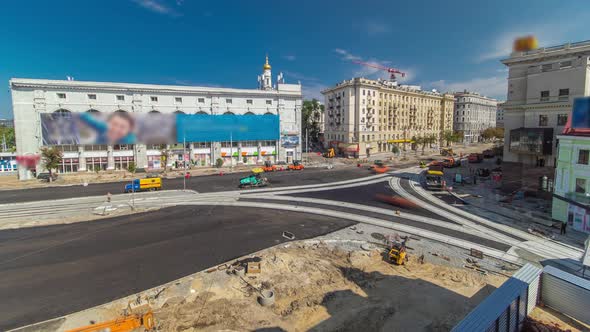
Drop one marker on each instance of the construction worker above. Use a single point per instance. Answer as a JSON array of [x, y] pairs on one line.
[[109, 197], [563, 228]]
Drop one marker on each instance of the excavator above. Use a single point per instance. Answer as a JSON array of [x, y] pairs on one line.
[[330, 153], [122, 324], [398, 251]]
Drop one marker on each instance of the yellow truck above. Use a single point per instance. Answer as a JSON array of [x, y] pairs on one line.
[[150, 184]]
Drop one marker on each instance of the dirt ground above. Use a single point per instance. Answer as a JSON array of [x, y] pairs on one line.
[[322, 288], [544, 319]]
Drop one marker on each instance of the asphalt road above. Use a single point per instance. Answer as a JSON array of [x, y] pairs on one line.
[[209, 183], [46, 272]]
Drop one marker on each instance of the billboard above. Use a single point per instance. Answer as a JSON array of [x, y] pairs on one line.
[[289, 141], [65, 128], [581, 113]]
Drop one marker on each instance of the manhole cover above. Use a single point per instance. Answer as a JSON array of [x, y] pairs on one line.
[[378, 236]]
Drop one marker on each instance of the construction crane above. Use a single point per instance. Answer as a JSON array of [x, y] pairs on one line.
[[391, 71], [122, 324]]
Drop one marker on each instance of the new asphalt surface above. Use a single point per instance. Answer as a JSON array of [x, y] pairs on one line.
[[209, 183], [46, 272]]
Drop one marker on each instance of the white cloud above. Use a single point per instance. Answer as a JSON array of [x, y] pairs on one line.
[[313, 90], [494, 86], [376, 28], [157, 6], [289, 57], [299, 76], [372, 72]]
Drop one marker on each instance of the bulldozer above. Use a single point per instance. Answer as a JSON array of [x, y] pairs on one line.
[[397, 253], [330, 153]]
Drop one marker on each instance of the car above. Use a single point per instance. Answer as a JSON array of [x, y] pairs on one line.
[[45, 176], [488, 153]]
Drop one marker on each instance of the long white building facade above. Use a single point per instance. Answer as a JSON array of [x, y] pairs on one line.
[[33, 97], [474, 113], [542, 85]]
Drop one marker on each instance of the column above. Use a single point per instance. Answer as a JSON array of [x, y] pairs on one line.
[[110, 158], [81, 159], [140, 156]]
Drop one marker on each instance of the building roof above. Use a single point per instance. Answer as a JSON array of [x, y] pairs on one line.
[[551, 51], [386, 85], [282, 89]]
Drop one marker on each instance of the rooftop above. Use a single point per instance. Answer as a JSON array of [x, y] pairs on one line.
[[387, 85], [541, 52]]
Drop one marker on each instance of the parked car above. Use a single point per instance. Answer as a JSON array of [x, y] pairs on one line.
[[45, 176]]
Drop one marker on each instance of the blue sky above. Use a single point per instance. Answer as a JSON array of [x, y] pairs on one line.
[[447, 45]]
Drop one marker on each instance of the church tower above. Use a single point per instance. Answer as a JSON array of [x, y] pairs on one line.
[[265, 80]]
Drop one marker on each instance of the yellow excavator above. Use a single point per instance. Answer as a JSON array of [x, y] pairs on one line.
[[397, 253], [330, 153]]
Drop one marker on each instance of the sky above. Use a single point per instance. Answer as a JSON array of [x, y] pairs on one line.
[[444, 45]]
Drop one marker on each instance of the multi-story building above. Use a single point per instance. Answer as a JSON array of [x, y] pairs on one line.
[[33, 97], [500, 115], [542, 84], [365, 116], [571, 199], [474, 113]]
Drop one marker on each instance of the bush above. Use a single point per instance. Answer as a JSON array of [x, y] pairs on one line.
[[131, 168], [395, 149], [218, 162], [245, 160]]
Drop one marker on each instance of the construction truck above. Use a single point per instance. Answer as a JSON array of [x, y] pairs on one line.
[[434, 180], [122, 324], [397, 253], [150, 184], [330, 153]]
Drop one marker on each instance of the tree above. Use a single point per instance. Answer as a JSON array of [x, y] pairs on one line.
[[165, 156], [7, 140], [52, 158], [493, 133], [311, 114], [452, 137], [131, 168], [218, 162]]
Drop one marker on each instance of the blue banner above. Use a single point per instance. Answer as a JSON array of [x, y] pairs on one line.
[[226, 127]]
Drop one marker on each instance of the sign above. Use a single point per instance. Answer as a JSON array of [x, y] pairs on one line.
[[289, 141]]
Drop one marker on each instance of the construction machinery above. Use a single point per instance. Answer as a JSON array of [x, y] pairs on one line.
[[330, 153], [122, 324], [397, 252], [269, 167], [391, 71], [150, 184], [296, 166], [253, 180], [434, 180]]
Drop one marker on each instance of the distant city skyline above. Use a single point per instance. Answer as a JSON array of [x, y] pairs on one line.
[[440, 45]]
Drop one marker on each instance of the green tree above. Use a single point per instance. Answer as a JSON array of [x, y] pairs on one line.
[[312, 113], [218, 162], [131, 168], [452, 137], [51, 158], [7, 140]]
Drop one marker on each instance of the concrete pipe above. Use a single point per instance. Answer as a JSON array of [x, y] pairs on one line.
[[266, 298]]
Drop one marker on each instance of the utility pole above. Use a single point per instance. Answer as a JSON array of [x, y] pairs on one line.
[[231, 152], [306, 144], [184, 160]]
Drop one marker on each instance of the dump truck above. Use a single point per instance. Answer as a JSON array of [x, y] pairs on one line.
[[149, 184]]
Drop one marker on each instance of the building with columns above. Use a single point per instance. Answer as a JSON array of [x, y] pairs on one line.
[[363, 116], [474, 113], [542, 84], [32, 97]]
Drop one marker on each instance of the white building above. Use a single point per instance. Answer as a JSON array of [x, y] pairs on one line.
[[32, 97], [474, 113], [542, 84], [364, 117]]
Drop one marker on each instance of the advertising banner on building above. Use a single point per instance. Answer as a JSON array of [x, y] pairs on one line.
[[66, 128], [289, 141], [581, 113]]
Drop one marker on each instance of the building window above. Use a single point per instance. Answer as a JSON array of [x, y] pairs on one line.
[[269, 102], [178, 100], [122, 163], [96, 164], [92, 97], [583, 157], [228, 101], [564, 94], [120, 98], [154, 99], [61, 96], [544, 95], [249, 101], [123, 147], [565, 64], [201, 100], [561, 119], [581, 186], [546, 67], [543, 120], [156, 146]]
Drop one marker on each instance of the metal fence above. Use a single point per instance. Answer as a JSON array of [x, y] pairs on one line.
[[507, 307], [566, 293]]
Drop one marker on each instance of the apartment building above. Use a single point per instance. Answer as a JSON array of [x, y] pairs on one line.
[[365, 116], [474, 113], [542, 85]]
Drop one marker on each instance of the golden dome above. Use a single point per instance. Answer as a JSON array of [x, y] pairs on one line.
[[266, 65]]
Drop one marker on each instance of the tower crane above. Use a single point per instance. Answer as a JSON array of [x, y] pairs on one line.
[[391, 71]]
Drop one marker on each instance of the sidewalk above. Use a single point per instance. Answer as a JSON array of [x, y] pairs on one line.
[[530, 214]]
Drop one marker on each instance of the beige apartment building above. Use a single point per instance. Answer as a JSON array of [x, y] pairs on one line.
[[364, 117]]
